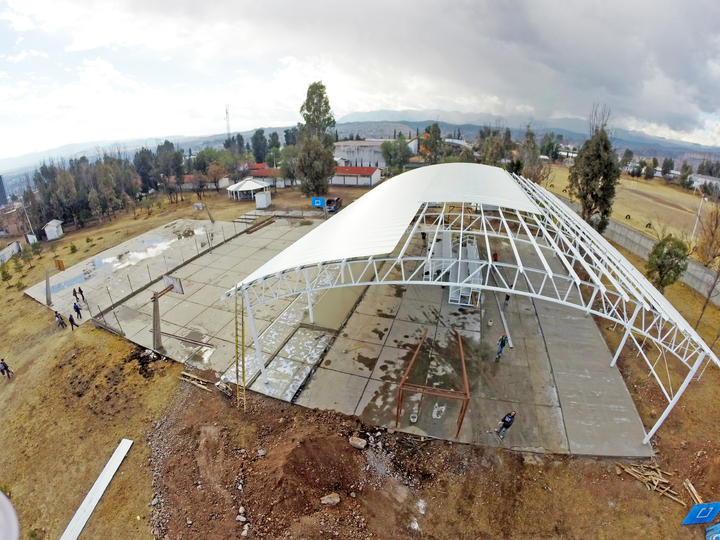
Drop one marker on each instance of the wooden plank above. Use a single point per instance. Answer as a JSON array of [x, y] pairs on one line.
[[195, 383], [195, 377], [77, 523]]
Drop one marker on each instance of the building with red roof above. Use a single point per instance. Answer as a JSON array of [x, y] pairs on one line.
[[356, 176]]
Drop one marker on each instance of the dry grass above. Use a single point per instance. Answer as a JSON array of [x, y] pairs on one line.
[[668, 207]]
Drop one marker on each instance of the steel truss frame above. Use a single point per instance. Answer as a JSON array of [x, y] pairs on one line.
[[556, 257]]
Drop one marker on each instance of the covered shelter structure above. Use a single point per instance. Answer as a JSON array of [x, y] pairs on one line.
[[247, 189], [459, 213]]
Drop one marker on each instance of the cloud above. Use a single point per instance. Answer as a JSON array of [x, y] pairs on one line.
[[25, 54], [655, 64]]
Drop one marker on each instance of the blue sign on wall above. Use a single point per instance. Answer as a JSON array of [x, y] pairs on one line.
[[317, 202], [713, 533], [702, 513]]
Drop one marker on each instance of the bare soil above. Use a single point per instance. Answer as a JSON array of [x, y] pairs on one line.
[[74, 395]]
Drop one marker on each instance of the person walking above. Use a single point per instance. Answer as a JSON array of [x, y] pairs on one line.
[[502, 342], [81, 293], [73, 324], [60, 320], [505, 424], [5, 369], [75, 295], [77, 310]]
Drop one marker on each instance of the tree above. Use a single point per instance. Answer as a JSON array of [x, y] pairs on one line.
[[288, 162], [259, 145], [626, 158], [291, 136], [432, 145], [534, 168], [94, 202], [667, 166], [667, 262], [315, 166], [144, 162], [396, 153], [649, 172], [36, 249], [273, 157], [595, 175], [215, 173], [273, 140], [317, 114], [199, 181], [685, 173], [5, 274], [26, 255], [18, 264]]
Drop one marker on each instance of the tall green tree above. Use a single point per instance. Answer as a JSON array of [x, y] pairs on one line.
[[259, 145], [595, 174], [315, 166], [627, 157], [273, 140], [432, 145], [685, 173], [667, 262], [667, 166], [288, 162], [396, 153], [315, 162], [5, 274], [291, 136], [317, 115]]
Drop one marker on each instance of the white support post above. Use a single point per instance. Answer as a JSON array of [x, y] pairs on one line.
[[628, 329], [675, 399], [310, 309], [256, 339]]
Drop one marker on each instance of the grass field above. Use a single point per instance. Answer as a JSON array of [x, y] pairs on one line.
[[667, 207]]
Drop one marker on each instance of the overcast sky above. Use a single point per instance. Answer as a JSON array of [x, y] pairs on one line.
[[83, 70]]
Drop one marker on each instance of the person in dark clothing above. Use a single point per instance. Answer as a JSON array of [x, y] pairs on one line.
[[502, 342], [77, 310], [5, 369], [75, 295], [81, 293], [73, 324], [60, 320], [505, 424]]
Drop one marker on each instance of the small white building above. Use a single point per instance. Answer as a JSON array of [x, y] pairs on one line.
[[246, 190], [356, 176], [53, 230]]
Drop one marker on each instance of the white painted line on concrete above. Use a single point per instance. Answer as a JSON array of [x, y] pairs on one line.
[[77, 523]]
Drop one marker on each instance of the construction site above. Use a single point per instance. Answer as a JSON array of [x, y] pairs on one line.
[[286, 375]]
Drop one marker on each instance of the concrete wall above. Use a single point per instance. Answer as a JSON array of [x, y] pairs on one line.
[[9, 251], [697, 277], [365, 153]]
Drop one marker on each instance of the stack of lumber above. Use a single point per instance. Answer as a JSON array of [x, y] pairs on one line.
[[652, 476], [195, 380]]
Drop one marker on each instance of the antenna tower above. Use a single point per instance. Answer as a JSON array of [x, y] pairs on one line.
[[227, 119]]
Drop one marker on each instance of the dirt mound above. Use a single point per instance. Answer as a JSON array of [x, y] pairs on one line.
[[297, 476]]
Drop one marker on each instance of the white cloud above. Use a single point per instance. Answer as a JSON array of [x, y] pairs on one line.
[[166, 58], [18, 22], [25, 54]]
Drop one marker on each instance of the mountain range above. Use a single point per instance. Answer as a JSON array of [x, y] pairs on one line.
[[379, 125]]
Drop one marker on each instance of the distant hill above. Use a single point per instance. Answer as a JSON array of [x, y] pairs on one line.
[[378, 125]]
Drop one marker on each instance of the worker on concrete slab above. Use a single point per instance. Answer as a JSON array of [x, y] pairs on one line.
[[5, 369], [505, 424], [75, 295], [73, 324], [81, 293], [77, 310], [502, 342]]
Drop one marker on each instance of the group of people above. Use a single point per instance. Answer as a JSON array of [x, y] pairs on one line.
[[78, 312]]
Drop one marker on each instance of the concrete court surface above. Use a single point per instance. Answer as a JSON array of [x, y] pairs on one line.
[[542, 377], [557, 376], [116, 273]]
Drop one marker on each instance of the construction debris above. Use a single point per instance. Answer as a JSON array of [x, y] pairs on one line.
[[694, 495], [652, 476], [195, 380], [358, 443]]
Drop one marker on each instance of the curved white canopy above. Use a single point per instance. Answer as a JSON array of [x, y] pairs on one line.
[[446, 220], [374, 224]]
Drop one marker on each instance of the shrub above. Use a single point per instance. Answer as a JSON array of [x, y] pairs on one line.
[[88, 240], [73, 248], [19, 285]]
